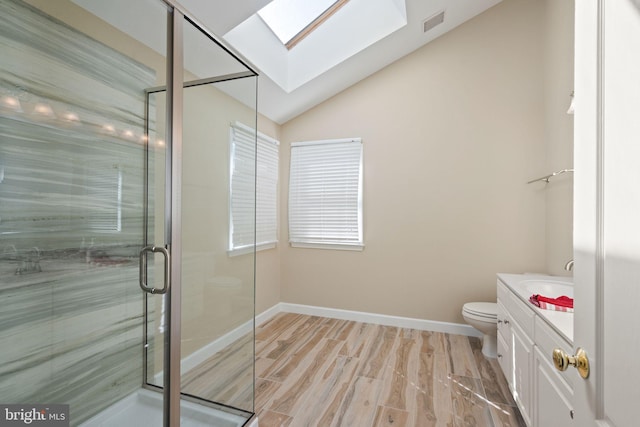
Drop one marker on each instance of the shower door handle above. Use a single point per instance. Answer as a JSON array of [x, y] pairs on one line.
[[143, 269]]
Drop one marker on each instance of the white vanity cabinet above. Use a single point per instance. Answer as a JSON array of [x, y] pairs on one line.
[[516, 333], [525, 344]]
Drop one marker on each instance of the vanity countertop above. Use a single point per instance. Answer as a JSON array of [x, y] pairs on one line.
[[561, 322]]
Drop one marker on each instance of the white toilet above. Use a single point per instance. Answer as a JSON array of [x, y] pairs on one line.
[[483, 316]]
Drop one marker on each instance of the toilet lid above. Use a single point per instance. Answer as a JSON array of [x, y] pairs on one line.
[[483, 309]]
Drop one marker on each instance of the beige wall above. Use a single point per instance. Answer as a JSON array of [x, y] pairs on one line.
[[558, 132], [451, 134]]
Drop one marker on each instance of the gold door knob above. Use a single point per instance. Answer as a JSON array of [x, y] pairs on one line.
[[580, 361]]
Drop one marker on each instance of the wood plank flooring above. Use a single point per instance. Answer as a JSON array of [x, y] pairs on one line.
[[315, 371]]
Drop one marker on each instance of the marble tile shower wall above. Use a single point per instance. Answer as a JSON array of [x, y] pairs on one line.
[[72, 165]]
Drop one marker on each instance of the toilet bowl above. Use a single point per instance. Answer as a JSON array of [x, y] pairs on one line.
[[483, 316]]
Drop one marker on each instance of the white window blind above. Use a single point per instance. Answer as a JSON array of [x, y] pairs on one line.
[[325, 194], [242, 195]]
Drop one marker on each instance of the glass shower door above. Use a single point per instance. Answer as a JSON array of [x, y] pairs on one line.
[[217, 349], [189, 203]]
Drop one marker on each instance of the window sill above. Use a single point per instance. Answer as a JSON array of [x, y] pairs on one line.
[[249, 249], [330, 246]]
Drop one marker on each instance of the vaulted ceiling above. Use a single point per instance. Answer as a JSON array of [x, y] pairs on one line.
[[361, 38]]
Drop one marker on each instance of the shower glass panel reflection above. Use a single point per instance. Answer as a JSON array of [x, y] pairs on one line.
[[83, 188]]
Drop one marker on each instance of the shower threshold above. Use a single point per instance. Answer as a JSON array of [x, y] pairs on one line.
[[144, 408]]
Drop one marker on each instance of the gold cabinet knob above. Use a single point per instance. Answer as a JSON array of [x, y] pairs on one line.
[[580, 361]]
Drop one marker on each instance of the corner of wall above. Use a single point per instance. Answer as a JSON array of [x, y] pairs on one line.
[[559, 53]]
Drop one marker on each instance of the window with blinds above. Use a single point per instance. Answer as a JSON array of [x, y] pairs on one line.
[[247, 189], [325, 194]]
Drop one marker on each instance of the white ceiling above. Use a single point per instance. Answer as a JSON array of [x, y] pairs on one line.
[[222, 16], [356, 26], [284, 96]]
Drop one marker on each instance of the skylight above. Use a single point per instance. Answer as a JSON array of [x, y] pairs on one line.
[[355, 26], [292, 20]]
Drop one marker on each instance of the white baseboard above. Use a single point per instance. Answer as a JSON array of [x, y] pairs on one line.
[[382, 319], [202, 354], [268, 314], [220, 343]]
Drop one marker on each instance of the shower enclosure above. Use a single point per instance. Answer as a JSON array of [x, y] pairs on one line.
[[119, 294]]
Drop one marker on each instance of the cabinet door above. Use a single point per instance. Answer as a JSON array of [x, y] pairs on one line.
[[522, 362], [505, 343], [504, 355], [553, 396]]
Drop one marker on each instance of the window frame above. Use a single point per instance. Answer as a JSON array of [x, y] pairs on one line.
[[267, 142], [271, 20], [335, 242]]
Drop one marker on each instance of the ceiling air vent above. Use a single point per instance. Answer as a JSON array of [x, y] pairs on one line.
[[431, 22]]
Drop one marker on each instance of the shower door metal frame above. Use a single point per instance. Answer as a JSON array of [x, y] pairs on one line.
[[173, 209], [173, 221]]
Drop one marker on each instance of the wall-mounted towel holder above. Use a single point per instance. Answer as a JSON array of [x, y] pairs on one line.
[[548, 177]]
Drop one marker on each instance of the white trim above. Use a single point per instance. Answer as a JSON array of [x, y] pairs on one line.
[[220, 343], [249, 249], [326, 141], [268, 314], [382, 319], [335, 246], [203, 353]]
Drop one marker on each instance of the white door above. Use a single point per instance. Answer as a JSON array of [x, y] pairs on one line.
[[607, 210]]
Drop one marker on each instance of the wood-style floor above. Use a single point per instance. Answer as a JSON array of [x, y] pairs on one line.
[[314, 371]]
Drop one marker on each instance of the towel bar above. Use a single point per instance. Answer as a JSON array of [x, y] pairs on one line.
[[548, 177]]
